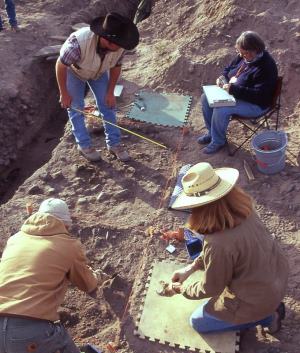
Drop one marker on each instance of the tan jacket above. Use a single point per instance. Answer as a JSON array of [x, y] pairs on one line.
[[245, 273], [90, 66], [36, 266]]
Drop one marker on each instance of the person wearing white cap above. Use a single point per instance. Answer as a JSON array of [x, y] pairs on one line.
[[241, 263], [36, 267], [58, 209]]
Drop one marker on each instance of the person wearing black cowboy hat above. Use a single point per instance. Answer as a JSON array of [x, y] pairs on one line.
[[93, 55]]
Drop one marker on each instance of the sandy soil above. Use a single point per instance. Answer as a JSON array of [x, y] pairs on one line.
[[183, 45]]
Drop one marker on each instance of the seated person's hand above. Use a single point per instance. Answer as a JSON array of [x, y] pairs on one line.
[[226, 87], [221, 81]]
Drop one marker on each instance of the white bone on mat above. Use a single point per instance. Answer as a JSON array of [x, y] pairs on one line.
[[166, 319]]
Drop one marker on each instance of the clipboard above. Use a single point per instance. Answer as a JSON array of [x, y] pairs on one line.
[[218, 97]]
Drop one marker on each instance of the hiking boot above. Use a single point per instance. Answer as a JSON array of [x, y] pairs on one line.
[[212, 148], [119, 152], [204, 139], [90, 153], [15, 28], [278, 316]]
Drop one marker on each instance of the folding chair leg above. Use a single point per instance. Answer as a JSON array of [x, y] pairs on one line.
[[231, 153], [253, 132]]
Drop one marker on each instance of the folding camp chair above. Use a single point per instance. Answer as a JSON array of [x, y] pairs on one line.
[[254, 124]]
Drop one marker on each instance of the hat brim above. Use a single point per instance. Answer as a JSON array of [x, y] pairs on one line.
[[130, 38], [228, 176]]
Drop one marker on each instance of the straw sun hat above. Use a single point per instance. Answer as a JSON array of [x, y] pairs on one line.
[[202, 184]]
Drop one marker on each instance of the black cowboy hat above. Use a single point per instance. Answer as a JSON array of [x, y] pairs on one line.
[[117, 29]]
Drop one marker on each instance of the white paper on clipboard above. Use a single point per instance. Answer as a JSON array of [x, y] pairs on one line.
[[218, 97]]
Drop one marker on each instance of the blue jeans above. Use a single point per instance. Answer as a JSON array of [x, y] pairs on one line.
[[203, 322], [11, 13], [217, 119], [76, 89], [20, 335]]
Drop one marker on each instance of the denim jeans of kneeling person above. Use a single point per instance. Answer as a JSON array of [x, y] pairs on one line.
[[11, 13], [203, 322], [20, 335], [217, 119], [76, 89]]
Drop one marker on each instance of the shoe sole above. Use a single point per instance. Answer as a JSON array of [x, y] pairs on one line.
[[90, 159], [208, 151], [203, 142], [119, 159]]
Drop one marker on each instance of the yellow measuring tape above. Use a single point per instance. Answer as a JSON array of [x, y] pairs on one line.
[[122, 128]]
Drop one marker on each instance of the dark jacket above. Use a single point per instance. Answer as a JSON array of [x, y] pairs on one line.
[[256, 83]]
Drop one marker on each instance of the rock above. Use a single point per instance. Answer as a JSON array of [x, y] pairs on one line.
[[122, 194], [78, 168], [130, 170], [100, 243], [102, 196], [46, 177], [95, 188], [50, 191], [67, 317], [35, 190], [90, 254], [57, 175], [77, 26], [286, 187], [12, 91], [82, 201]]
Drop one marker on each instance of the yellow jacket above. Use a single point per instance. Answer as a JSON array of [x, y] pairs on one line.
[[36, 266]]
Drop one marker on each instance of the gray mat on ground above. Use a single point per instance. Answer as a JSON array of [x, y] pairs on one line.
[[166, 319], [161, 108]]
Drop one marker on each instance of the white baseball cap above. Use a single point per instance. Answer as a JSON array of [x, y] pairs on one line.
[[58, 209]]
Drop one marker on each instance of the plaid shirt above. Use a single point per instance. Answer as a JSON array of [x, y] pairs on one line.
[[70, 52]]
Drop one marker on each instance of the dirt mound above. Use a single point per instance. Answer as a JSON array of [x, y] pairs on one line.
[[183, 45]]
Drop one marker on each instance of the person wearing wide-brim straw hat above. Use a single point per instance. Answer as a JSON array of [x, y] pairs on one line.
[[242, 264], [93, 56], [203, 184]]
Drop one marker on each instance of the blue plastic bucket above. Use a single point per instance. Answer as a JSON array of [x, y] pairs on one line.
[[269, 147]]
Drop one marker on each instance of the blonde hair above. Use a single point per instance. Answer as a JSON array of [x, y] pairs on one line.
[[227, 212]]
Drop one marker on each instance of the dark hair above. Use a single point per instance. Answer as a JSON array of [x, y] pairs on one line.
[[251, 41]]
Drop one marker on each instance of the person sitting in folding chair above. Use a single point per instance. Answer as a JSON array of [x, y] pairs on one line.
[[251, 78]]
